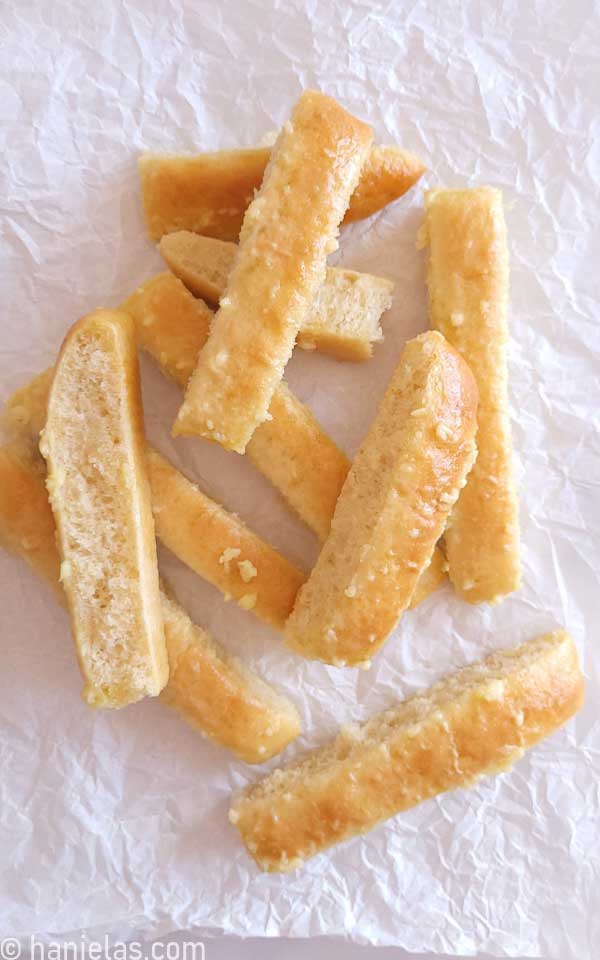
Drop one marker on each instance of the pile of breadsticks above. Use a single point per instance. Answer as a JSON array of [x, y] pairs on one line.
[[430, 492]]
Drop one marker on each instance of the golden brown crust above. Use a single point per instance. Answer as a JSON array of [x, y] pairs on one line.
[[27, 526], [93, 443], [219, 547], [468, 294], [288, 232], [219, 696], [387, 174], [343, 320], [312, 472], [474, 723], [209, 193], [211, 691], [392, 509]]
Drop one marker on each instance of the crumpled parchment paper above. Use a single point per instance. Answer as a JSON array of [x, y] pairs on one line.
[[117, 822]]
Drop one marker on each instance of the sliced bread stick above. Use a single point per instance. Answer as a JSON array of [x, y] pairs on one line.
[[474, 723], [343, 320], [219, 547], [211, 691], [27, 527], [209, 192], [288, 232], [291, 449], [392, 508], [93, 444], [220, 696], [468, 296]]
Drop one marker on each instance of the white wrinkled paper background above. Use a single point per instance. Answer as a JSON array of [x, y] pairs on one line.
[[117, 822]]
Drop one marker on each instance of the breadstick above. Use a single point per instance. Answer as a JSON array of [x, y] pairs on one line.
[[27, 526], [468, 295], [474, 723], [219, 547], [343, 320], [291, 449], [210, 690], [209, 192], [392, 509], [93, 444], [220, 696], [288, 231]]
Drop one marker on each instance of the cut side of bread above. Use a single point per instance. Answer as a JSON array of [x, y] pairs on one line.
[[93, 444], [392, 509], [219, 547], [209, 193], [476, 722], [468, 302], [289, 230], [343, 321], [213, 692]]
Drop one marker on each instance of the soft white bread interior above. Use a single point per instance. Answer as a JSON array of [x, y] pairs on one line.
[[289, 230], [476, 722], [210, 192], [343, 321], [213, 692], [468, 302], [93, 443], [392, 509]]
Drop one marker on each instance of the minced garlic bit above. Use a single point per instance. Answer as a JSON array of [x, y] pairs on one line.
[[230, 553], [444, 433], [457, 318], [350, 591], [247, 570], [248, 601]]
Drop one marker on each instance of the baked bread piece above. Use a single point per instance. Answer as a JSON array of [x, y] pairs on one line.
[[291, 449], [476, 722], [27, 526], [288, 232], [219, 547], [212, 691], [468, 296], [220, 696], [209, 193], [392, 509], [343, 320], [93, 444]]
